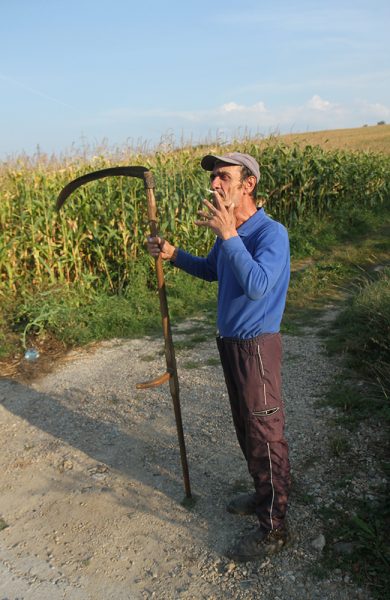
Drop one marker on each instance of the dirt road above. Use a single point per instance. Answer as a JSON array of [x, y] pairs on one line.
[[91, 484]]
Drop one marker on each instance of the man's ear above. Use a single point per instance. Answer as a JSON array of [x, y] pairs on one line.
[[250, 183]]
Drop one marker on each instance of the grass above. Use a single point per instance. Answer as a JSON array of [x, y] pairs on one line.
[[191, 364], [363, 532], [77, 316], [213, 362], [339, 445], [192, 341], [359, 340], [363, 328], [341, 251], [355, 402]]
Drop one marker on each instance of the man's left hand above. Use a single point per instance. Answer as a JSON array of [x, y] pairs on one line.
[[218, 217]]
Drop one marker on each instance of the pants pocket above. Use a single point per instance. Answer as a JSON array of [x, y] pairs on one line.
[[266, 425]]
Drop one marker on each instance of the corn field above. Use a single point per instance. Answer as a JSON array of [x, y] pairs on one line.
[[101, 230]]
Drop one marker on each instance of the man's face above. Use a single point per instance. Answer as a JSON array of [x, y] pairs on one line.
[[226, 180]]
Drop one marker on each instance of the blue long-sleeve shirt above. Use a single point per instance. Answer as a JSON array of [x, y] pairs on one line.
[[253, 271]]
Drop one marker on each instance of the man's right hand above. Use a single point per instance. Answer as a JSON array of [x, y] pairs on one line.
[[159, 247]]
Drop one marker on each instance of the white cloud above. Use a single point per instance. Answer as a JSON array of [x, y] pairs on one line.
[[317, 103], [233, 107], [376, 110]]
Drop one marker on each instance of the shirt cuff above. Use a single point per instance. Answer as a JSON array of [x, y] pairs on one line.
[[174, 256]]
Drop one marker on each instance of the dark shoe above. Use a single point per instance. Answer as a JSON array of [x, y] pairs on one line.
[[258, 544], [243, 505]]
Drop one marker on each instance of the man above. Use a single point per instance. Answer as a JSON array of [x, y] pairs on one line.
[[251, 261]]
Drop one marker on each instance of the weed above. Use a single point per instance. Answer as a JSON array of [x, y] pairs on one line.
[[343, 483], [361, 336], [339, 445], [3, 524], [366, 534], [303, 497], [362, 330], [199, 338], [319, 571], [213, 362], [184, 345], [190, 364], [86, 562], [147, 357], [288, 327], [353, 401]]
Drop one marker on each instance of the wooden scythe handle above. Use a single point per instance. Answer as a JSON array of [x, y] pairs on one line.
[[169, 348], [171, 373]]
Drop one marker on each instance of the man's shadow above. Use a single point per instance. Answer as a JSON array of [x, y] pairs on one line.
[[141, 450], [128, 451]]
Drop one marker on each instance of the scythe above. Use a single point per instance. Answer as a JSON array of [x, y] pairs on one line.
[[171, 373]]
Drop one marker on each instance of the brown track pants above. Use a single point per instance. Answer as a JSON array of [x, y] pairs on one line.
[[252, 374]]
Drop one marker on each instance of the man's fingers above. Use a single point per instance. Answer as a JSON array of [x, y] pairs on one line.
[[205, 215], [156, 240], [209, 205], [218, 201], [202, 223], [155, 245]]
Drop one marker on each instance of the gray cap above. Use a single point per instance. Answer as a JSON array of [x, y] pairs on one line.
[[232, 158]]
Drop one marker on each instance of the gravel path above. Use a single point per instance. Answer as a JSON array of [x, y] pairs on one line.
[[91, 484]]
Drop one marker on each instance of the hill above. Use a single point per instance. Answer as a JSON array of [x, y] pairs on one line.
[[374, 138]]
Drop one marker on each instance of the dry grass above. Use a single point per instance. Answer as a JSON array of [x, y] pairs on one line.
[[375, 138]]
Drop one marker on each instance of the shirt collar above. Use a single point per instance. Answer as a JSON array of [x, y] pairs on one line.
[[252, 223]]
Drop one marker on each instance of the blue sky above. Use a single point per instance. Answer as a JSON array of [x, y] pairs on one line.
[[81, 72]]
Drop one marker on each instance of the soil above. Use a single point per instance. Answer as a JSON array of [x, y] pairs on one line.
[[91, 494]]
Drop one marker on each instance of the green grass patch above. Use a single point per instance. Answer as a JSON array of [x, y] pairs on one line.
[[361, 332], [191, 364], [300, 495], [147, 357], [358, 543], [192, 342], [333, 268], [78, 315], [212, 362], [359, 339], [350, 401], [339, 445]]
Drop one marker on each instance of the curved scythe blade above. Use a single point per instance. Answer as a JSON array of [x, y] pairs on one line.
[[76, 183]]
